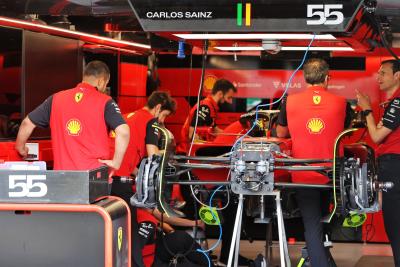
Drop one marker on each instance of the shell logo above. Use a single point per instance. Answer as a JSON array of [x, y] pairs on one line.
[[315, 125], [74, 127], [209, 81]]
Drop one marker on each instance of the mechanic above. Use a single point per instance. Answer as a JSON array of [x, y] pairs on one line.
[[387, 134], [162, 244], [79, 119], [144, 142], [313, 119], [222, 92]]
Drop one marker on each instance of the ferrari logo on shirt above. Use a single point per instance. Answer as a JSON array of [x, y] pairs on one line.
[[119, 238], [315, 125], [74, 127], [78, 97], [316, 99]]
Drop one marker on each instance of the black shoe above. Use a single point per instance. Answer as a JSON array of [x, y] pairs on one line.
[[242, 261]]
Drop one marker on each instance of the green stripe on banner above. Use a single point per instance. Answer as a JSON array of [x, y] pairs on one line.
[[239, 8]]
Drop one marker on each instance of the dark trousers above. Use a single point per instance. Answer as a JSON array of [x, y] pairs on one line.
[[229, 215], [389, 171], [312, 204], [176, 244], [124, 191]]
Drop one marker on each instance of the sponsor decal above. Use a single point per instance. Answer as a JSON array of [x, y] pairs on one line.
[[32, 186], [78, 97], [336, 87], [74, 127], [248, 85], [116, 107], [278, 84], [325, 14], [315, 125], [209, 82], [239, 14], [179, 15], [120, 238], [316, 99]]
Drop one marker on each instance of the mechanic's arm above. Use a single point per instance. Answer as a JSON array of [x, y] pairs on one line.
[[152, 137], [115, 121], [190, 133], [177, 221], [24, 132], [203, 119], [217, 130], [166, 227], [152, 149], [377, 134], [282, 130], [40, 117], [122, 135]]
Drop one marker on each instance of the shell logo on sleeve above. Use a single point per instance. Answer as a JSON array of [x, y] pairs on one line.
[[315, 125], [74, 127]]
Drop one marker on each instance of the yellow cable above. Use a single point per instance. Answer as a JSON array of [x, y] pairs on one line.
[[338, 139]]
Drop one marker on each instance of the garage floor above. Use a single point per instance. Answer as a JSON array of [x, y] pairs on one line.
[[345, 254]]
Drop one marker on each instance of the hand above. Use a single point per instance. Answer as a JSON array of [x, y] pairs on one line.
[[111, 164], [379, 125], [22, 150], [363, 100], [201, 224]]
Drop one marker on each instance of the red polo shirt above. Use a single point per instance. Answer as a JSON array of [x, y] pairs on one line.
[[391, 144], [78, 128], [136, 150], [211, 119], [315, 118]]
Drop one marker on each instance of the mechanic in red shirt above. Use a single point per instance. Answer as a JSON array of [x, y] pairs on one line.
[[314, 118], [144, 142], [222, 91], [79, 119], [387, 134]]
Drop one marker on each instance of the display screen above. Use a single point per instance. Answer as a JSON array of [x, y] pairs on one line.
[[247, 16]]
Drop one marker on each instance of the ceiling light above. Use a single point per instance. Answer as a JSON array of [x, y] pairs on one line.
[[284, 48], [64, 32], [262, 36], [317, 48]]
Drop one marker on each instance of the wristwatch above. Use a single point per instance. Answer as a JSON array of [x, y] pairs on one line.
[[366, 112]]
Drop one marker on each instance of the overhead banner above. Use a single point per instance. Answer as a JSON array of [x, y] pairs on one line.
[[247, 16]]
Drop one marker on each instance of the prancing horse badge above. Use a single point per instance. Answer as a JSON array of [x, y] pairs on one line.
[[316, 99]]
